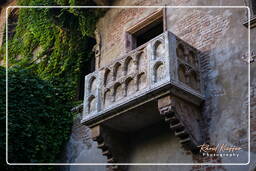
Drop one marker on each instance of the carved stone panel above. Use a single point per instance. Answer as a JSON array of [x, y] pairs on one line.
[[117, 72], [118, 92], [142, 81], [107, 76], [141, 59], [92, 85], [92, 104], [124, 78], [91, 99], [164, 60], [159, 72], [159, 49], [188, 66], [129, 66], [108, 97], [164, 70], [130, 86]]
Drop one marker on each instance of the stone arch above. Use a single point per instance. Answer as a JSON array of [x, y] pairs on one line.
[[159, 71], [118, 92], [107, 76], [182, 73], [92, 84], [107, 98], [117, 71], [130, 86], [91, 104], [192, 60], [180, 51], [159, 49], [141, 60], [193, 80], [128, 65], [142, 81]]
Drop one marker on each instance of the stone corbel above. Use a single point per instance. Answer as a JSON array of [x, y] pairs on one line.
[[186, 129], [112, 145]]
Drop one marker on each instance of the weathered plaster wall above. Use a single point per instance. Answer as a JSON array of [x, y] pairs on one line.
[[157, 145], [214, 33], [81, 149]]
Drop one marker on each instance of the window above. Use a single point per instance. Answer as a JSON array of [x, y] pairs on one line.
[[145, 30], [3, 2], [148, 33]]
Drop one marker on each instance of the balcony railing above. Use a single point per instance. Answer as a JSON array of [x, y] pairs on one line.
[[165, 61]]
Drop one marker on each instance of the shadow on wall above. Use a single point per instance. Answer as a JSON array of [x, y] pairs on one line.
[[81, 149]]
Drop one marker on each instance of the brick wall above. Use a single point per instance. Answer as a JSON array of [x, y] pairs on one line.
[[210, 31], [200, 29], [122, 17], [214, 33], [119, 20]]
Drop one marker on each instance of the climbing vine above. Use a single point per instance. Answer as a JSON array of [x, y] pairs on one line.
[[48, 52], [38, 117], [53, 41]]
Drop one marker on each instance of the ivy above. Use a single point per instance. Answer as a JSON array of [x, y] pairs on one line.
[[53, 41], [38, 118], [47, 55]]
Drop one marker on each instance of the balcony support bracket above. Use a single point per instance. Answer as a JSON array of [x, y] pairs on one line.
[[175, 112], [112, 145]]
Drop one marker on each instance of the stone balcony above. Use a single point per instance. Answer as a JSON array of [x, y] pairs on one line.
[[164, 63], [155, 83]]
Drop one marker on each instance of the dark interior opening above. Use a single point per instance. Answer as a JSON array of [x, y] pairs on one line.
[[254, 7], [149, 32], [2, 2], [87, 66]]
